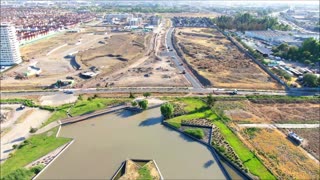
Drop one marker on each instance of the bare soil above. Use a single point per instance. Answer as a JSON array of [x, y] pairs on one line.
[[219, 61], [273, 112]]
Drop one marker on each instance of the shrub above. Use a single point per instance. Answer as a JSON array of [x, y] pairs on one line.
[[146, 94], [37, 169], [131, 95], [21, 173], [33, 130], [195, 132], [143, 104], [134, 103], [167, 110]]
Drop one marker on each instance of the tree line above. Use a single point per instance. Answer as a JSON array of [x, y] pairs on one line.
[[246, 21], [308, 53]]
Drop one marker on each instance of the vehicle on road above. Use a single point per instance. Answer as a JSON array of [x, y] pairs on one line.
[[235, 92], [20, 108], [68, 92]]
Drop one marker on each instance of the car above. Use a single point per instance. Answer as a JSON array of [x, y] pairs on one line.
[[68, 92]]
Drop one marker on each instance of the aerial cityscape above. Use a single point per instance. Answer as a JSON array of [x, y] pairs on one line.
[[136, 89]]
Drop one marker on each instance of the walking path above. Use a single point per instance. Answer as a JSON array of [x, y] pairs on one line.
[[48, 127], [274, 126], [96, 113]]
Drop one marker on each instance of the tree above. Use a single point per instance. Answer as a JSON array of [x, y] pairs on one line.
[[146, 94], [311, 80], [167, 110], [210, 100], [134, 103], [131, 95], [143, 104]]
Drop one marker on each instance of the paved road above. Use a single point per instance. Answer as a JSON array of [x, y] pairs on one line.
[[177, 60], [156, 89], [274, 126]]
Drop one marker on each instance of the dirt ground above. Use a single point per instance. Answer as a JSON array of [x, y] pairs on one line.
[[311, 140], [16, 128], [59, 99], [285, 159], [119, 51], [152, 70], [156, 73], [50, 55], [249, 112], [218, 60]]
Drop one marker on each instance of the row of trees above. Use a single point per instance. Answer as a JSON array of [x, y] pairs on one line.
[[246, 21], [308, 53]]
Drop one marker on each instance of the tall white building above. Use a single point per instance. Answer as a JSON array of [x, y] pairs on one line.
[[10, 53]]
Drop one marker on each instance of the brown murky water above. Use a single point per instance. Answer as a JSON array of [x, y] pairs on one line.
[[103, 143]]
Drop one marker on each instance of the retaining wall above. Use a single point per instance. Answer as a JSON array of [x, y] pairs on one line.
[[216, 153]]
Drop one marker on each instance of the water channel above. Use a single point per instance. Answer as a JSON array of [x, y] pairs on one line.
[[103, 143]]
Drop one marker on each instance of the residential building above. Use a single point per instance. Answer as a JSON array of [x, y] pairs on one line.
[[135, 21], [154, 20], [10, 53], [110, 18]]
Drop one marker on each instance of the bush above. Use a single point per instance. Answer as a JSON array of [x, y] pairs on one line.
[[33, 130], [195, 132], [15, 146], [21, 173], [131, 95], [134, 103], [146, 94], [37, 169], [167, 110], [143, 104]]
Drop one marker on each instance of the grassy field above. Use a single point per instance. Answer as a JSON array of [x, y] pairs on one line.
[[82, 107], [91, 105], [197, 109], [32, 149], [285, 158]]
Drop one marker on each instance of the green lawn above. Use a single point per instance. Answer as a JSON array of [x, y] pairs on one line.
[[191, 104], [195, 132], [87, 106], [36, 147], [82, 107], [144, 173]]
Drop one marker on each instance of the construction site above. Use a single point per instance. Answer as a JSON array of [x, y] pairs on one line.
[[96, 56], [218, 62]]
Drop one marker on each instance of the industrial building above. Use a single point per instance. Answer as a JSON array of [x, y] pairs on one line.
[[279, 37], [10, 53]]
